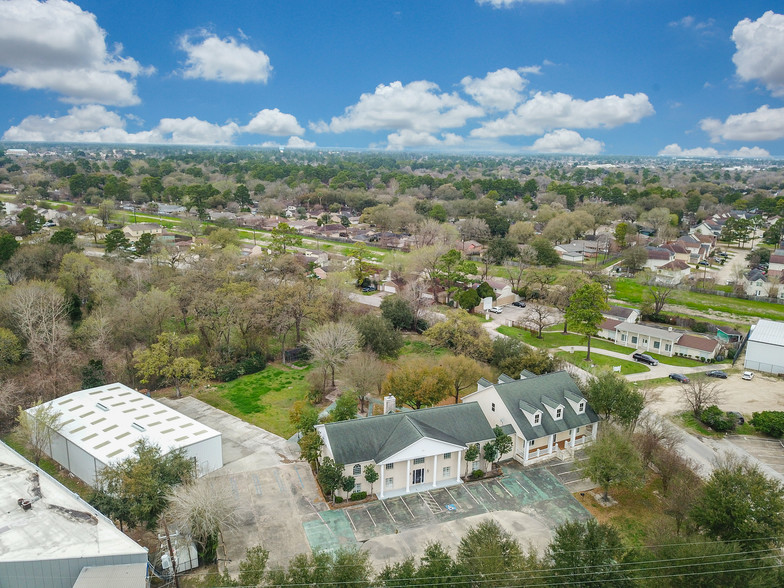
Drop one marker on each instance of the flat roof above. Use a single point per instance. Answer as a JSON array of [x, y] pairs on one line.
[[59, 525], [649, 331], [108, 421], [768, 331]]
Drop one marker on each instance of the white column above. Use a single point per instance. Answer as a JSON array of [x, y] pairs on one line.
[[525, 451], [383, 472], [552, 442], [408, 475], [574, 437], [435, 469], [459, 461], [594, 430]]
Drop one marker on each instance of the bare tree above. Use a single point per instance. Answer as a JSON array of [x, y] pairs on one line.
[[37, 428], [332, 344], [700, 393], [38, 312], [203, 510], [540, 316], [657, 292], [365, 374]]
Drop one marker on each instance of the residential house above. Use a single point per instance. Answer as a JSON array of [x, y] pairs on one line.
[[622, 314], [697, 347], [607, 328], [694, 246], [776, 264], [674, 272], [657, 257], [709, 226], [134, 231], [578, 250], [547, 416], [679, 249], [645, 338], [755, 283], [728, 335], [412, 451]]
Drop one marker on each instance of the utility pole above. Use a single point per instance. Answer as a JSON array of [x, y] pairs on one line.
[[171, 553]]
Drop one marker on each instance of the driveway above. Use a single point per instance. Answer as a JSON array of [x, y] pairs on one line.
[[276, 494]]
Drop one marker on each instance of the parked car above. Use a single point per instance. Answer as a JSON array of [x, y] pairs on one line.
[[716, 374], [369, 289], [497, 310], [747, 375], [643, 358], [519, 304], [739, 420], [680, 378], [703, 262]]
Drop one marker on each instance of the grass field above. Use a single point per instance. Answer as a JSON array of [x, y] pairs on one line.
[[629, 290], [601, 362], [553, 339], [262, 399]]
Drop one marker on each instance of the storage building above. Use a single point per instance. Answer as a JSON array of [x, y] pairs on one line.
[[765, 347]]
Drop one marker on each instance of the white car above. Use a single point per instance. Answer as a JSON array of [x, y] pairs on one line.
[[747, 375], [497, 310]]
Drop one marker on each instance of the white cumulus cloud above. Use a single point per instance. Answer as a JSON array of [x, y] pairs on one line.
[[547, 111], [764, 124], [273, 122], [292, 143], [566, 141], [55, 45], [759, 54], [193, 131], [498, 90], [675, 150], [223, 60], [752, 152], [417, 106]]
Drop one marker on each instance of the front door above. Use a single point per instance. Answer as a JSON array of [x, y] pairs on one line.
[[418, 476]]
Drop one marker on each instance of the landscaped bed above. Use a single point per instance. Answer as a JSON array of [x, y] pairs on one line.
[[601, 362]]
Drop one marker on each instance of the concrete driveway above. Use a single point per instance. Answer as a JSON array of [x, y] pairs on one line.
[[277, 494]]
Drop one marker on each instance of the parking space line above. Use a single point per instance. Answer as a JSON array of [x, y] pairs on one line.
[[318, 514], [490, 494], [450, 496], [371, 517], [234, 488], [403, 500], [521, 486], [257, 483], [384, 502], [471, 494], [300, 477], [350, 520], [505, 488]]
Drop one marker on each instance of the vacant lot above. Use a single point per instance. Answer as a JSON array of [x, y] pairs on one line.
[[262, 399]]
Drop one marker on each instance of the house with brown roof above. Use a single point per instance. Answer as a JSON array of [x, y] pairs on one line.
[[697, 347], [622, 314], [674, 272], [776, 264], [657, 257]]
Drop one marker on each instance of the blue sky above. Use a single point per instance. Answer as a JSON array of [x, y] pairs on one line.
[[615, 77]]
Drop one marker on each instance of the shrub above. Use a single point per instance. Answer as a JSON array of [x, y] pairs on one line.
[[359, 495], [251, 364], [476, 474], [338, 499], [770, 422], [700, 327], [717, 419]]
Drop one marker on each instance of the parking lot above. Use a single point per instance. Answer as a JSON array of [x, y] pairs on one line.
[[530, 503], [768, 451]]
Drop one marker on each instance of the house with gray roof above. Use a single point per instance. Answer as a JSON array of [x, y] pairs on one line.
[[547, 416], [411, 450]]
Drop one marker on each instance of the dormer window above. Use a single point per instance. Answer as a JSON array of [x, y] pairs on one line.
[[581, 407], [558, 413], [537, 418]]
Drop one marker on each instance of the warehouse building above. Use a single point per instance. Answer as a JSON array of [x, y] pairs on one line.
[[101, 426], [48, 535], [765, 347]]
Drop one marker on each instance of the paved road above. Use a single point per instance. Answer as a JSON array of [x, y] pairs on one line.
[[656, 371]]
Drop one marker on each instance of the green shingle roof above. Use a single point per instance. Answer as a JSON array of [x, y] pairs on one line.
[[380, 437], [533, 393]]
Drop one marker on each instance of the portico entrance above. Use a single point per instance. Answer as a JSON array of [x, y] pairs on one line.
[[418, 476]]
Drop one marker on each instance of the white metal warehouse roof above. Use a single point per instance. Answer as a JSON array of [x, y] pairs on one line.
[[108, 421], [59, 524], [767, 331]]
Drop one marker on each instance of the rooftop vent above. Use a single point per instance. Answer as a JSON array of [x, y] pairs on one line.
[[138, 427], [102, 406]]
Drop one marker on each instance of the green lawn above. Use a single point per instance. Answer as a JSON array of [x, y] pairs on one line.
[[602, 362], [553, 339], [679, 361], [262, 399], [629, 290]]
